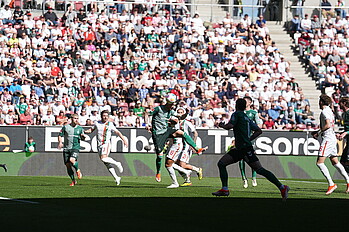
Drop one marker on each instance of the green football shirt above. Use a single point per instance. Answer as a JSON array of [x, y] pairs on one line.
[[160, 119], [72, 136], [346, 121]]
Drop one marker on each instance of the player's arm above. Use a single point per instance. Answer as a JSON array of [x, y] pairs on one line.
[[90, 130], [123, 138], [60, 138], [256, 130], [153, 113], [225, 126], [193, 130]]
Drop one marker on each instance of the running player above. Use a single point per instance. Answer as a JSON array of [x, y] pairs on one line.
[[72, 134], [328, 147], [104, 131], [243, 128], [252, 115], [4, 167], [161, 131], [180, 153], [344, 105]]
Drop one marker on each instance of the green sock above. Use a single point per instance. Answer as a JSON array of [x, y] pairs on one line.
[[190, 141], [270, 176], [158, 163], [70, 173], [223, 174], [76, 165], [254, 174], [242, 169]]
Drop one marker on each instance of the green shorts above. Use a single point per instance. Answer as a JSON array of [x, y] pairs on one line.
[[161, 139], [67, 154]]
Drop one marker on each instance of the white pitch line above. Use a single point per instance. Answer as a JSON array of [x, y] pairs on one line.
[[304, 181], [22, 201]]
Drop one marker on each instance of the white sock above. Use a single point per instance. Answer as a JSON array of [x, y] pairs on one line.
[[342, 171], [172, 173], [109, 160], [180, 169], [326, 173], [113, 173], [195, 169]]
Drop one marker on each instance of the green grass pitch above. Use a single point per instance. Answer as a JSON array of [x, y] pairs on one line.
[[141, 204]]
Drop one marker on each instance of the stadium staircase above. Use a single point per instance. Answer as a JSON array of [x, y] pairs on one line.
[[284, 43], [205, 12]]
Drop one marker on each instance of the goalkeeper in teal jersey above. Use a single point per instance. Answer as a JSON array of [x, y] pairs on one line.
[[72, 134], [252, 115], [245, 131], [162, 130]]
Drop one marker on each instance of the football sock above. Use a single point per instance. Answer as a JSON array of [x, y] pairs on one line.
[[76, 165], [113, 173], [195, 169], [223, 174], [180, 169], [346, 167], [190, 141], [158, 164], [70, 173], [242, 169], [342, 171], [172, 173], [270, 176], [326, 173], [109, 160], [254, 174]]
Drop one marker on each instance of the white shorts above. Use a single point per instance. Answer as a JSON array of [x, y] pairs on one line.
[[186, 154], [328, 148], [175, 151], [104, 149]]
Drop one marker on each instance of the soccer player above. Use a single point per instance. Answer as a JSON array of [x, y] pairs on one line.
[[72, 134], [344, 105], [180, 153], [243, 128], [161, 131], [328, 147], [104, 129], [4, 167], [252, 115]]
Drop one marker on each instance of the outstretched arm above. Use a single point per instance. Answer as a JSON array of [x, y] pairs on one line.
[[122, 137]]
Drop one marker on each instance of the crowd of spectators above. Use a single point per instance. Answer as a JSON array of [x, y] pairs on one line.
[[324, 48], [126, 59]]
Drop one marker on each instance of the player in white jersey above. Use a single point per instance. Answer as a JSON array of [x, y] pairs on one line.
[[180, 152], [328, 147], [105, 128]]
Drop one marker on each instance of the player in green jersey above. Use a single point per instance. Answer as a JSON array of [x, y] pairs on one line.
[[252, 115], [72, 134], [344, 105], [162, 131], [245, 131]]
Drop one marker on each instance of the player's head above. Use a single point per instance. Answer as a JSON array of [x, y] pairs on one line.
[[324, 100], [181, 113], [248, 100], [75, 119], [240, 104], [30, 139], [344, 102], [104, 115], [171, 98]]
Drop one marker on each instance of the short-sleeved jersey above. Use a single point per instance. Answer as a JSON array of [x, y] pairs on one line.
[[253, 115], [185, 126], [160, 119], [243, 128], [327, 114], [346, 121], [72, 136], [104, 131]]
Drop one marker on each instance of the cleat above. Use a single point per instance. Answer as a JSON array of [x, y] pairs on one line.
[[73, 183], [254, 182], [200, 174], [119, 166], [175, 185], [118, 180], [78, 172], [245, 184], [347, 191], [4, 167], [284, 192], [186, 184], [201, 150], [158, 177], [331, 189], [221, 193]]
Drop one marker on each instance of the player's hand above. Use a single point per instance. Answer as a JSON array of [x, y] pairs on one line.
[[83, 137], [342, 136], [60, 145], [221, 124], [315, 134], [125, 143]]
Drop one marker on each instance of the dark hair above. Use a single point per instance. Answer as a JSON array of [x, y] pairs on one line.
[[104, 111], [241, 104], [249, 98], [326, 100], [344, 101]]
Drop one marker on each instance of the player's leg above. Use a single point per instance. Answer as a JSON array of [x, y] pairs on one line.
[[254, 178], [4, 166], [189, 140], [74, 155], [159, 144], [324, 152], [103, 152], [69, 166], [243, 174], [345, 156], [171, 157], [184, 161], [341, 170], [185, 173]]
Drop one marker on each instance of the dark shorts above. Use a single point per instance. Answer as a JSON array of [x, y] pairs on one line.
[[67, 154], [345, 155], [161, 139], [246, 154]]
